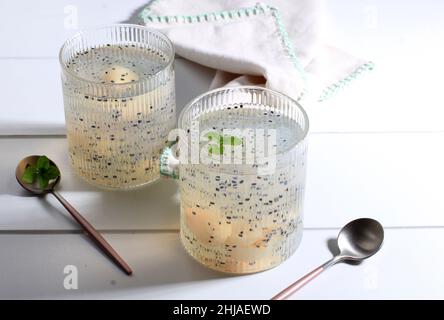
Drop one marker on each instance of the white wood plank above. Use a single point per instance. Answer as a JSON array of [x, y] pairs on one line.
[[32, 101], [45, 25], [32, 267], [396, 178]]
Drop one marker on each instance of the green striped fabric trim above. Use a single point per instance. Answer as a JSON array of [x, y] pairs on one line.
[[341, 84], [147, 16]]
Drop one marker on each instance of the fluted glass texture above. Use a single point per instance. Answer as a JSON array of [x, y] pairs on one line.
[[234, 217], [119, 98]]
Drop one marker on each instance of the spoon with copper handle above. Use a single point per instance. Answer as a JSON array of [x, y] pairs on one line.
[[89, 229], [357, 240]]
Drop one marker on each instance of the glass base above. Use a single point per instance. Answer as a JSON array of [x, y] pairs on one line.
[[238, 267]]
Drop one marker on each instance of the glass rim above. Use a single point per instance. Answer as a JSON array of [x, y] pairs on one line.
[[189, 105], [79, 33]]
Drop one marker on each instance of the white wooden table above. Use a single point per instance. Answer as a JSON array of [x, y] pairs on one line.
[[376, 150]]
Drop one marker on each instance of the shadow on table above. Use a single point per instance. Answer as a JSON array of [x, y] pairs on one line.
[[155, 206], [160, 267], [332, 245], [173, 267], [165, 265]]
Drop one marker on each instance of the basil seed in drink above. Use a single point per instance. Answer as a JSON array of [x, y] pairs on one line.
[[119, 103], [234, 217]]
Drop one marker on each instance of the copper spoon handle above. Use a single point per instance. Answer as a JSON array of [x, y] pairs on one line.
[[94, 234], [295, 286]]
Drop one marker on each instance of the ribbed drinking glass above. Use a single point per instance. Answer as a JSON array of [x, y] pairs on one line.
[[243, 214], [119, 97]]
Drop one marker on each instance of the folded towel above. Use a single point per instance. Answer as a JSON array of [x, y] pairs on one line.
[[277, 44]]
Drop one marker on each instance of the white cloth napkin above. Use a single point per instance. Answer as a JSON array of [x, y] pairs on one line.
[[277, 43]]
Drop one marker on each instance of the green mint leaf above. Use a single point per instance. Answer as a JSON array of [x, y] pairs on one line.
[[43, 182], [43, 163], [30, 174], [223, 140], [232, 140], [213, 136], [51, 173], [215, 149]]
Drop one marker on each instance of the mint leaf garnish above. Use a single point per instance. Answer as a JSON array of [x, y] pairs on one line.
[[43, 182], [30, 174], [213, 136], [221, 141], [218, 149], [232, 140], [51, 173], [43, 163], [42, 172]]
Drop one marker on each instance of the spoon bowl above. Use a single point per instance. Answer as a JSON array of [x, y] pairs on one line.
[[34, 187], [360, 239]]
